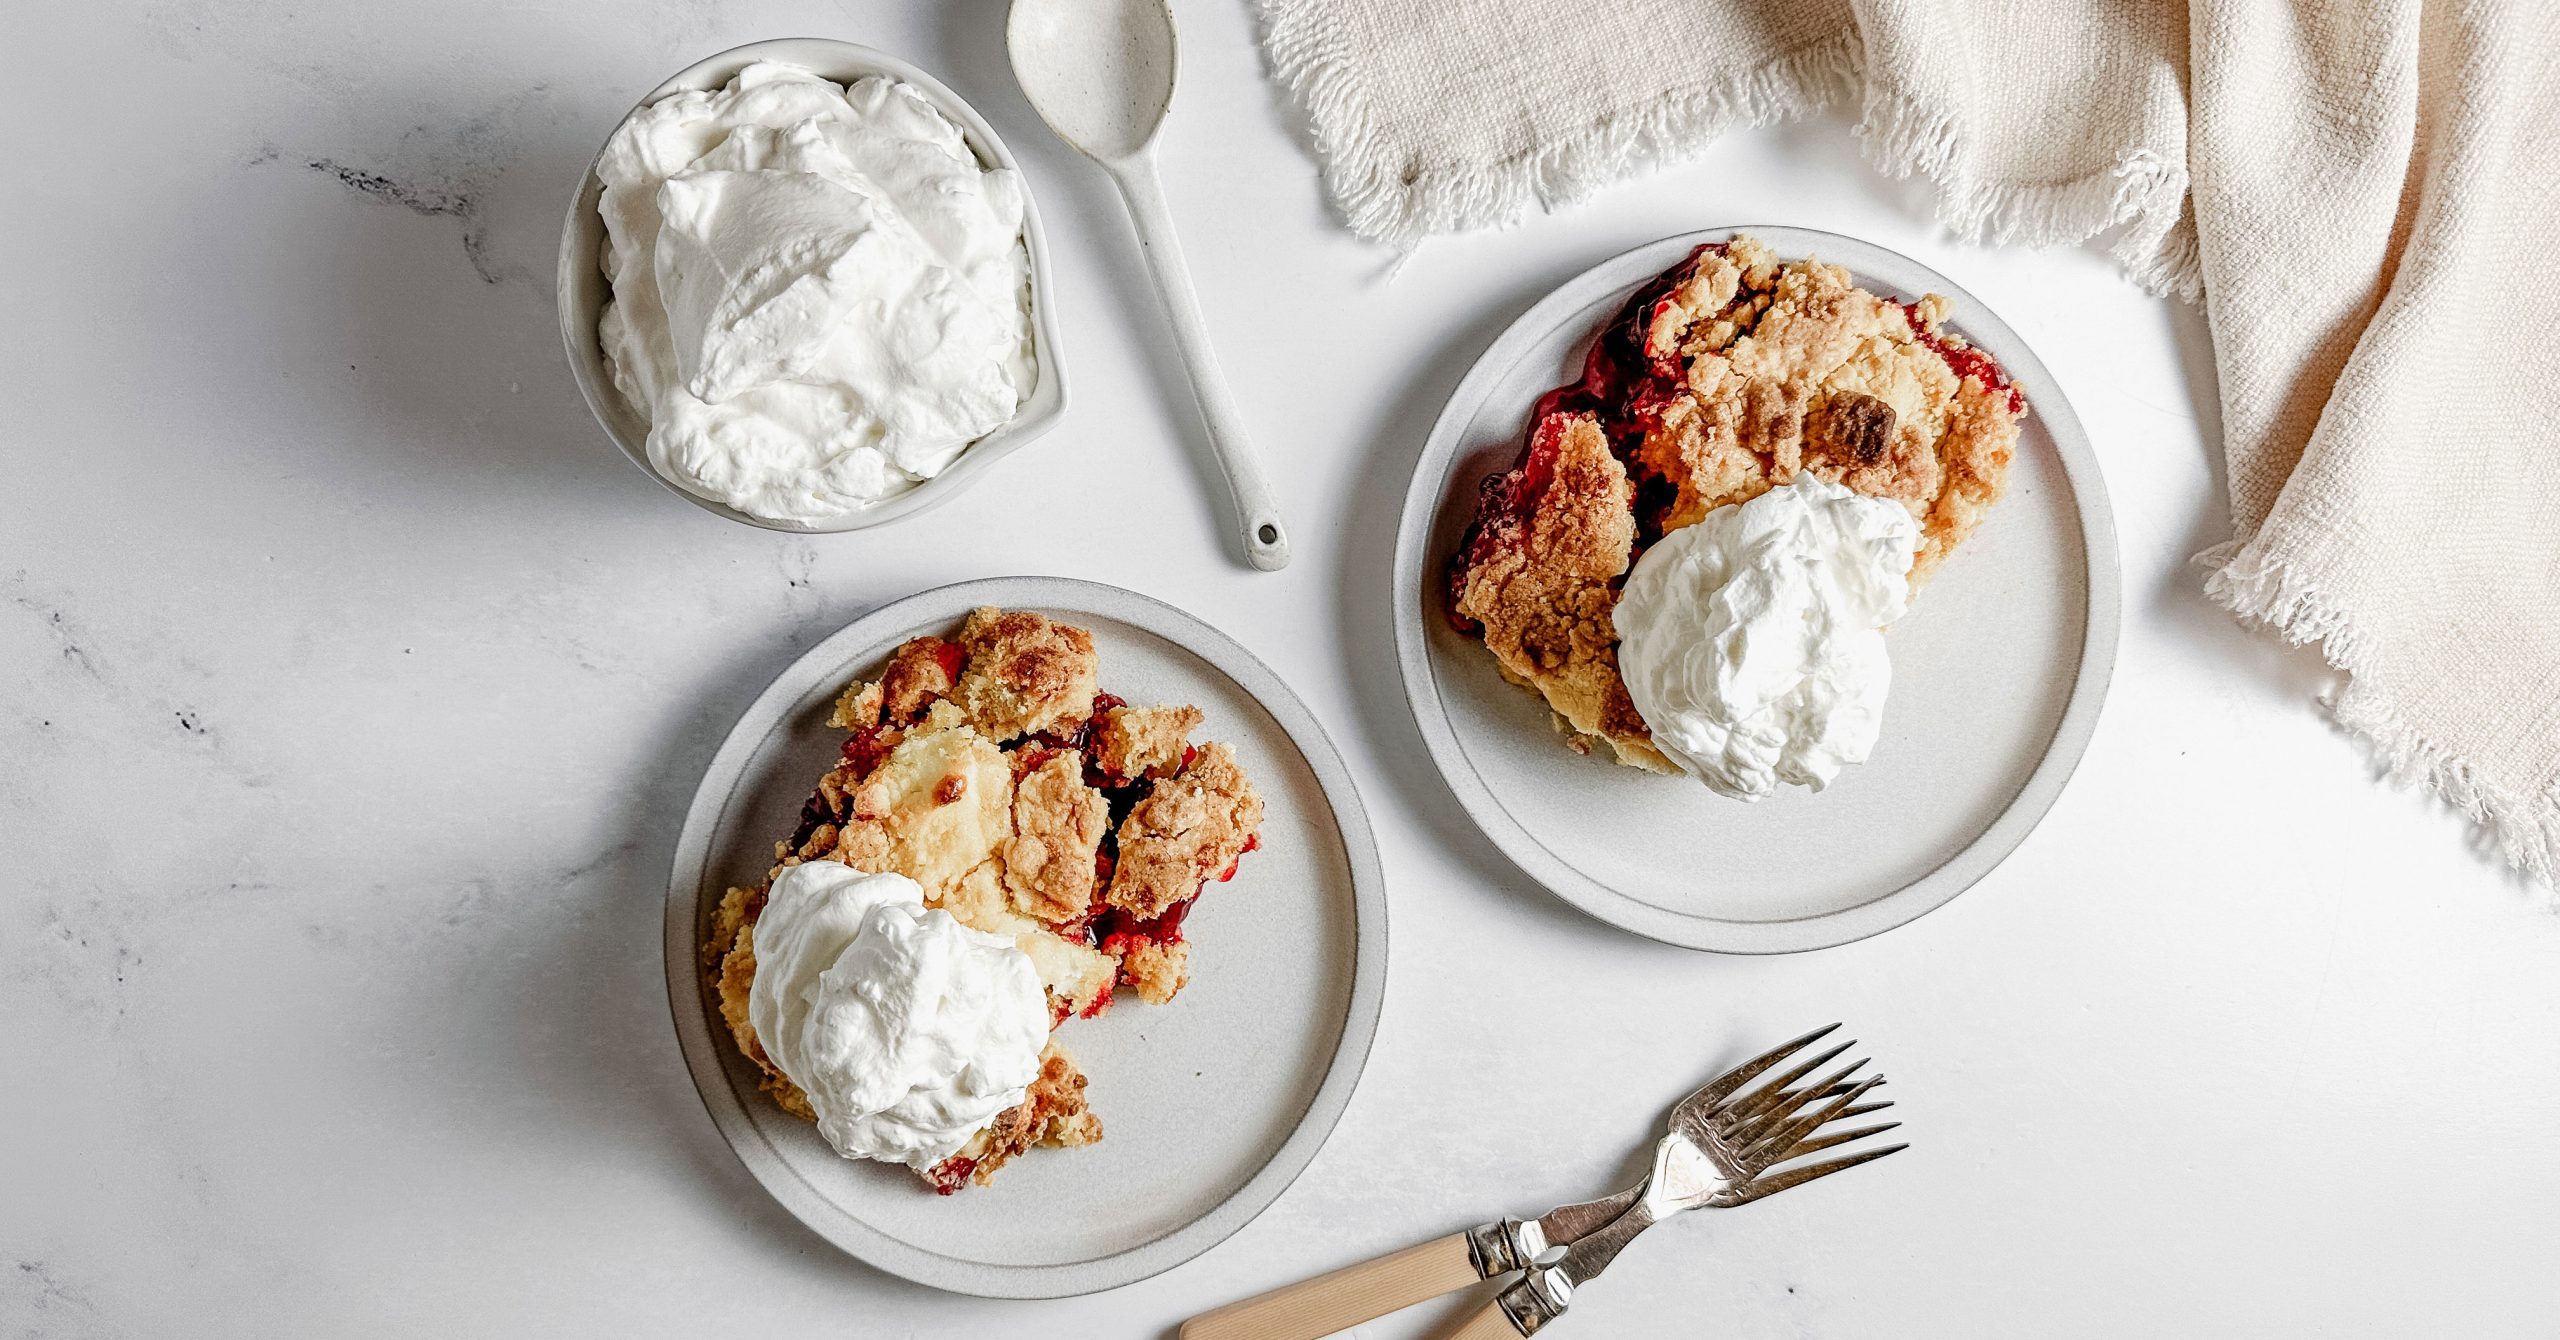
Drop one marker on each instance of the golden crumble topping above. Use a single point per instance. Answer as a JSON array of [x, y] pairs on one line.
[[1727, 376], [1058, 823], [1192, 827], [977, 767], [1157, 968], [1024, 674], [861, 704], [1053, 1112], [1546, 587], [1144, 741], [1826, 378], [934, 811], [919, 673]]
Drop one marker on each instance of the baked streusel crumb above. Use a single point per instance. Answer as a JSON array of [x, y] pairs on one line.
[[1024, 674], [1801, 370], [1058, 823], [1157, 969], [1144, 741], [1195, 826], [1725, 377], [1053, 1112], [988, 769], [1554, 537]]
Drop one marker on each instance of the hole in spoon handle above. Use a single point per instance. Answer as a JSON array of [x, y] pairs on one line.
[[1266, 541]]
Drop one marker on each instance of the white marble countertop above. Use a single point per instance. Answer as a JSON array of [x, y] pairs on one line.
[[351, 686]]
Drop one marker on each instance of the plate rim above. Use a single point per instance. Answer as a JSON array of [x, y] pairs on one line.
[[2101, 632], [706, 1067]]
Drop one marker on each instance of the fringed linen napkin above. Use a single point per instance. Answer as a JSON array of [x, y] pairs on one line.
[[2365, 195]]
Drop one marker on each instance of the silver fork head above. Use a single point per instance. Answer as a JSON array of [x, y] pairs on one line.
[[1746, 1131], [1743, 1134]]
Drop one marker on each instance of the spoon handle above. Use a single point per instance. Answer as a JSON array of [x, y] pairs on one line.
[[1266, 540]]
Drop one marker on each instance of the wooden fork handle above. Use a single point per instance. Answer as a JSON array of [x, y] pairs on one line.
[[1488, 1322], [1345, 1298]]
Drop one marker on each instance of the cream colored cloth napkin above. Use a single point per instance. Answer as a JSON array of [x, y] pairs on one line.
[[2364, 193]]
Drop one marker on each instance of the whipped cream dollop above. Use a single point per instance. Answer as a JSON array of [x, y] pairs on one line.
[[1753, 641], [908, 1031], [820, 297]]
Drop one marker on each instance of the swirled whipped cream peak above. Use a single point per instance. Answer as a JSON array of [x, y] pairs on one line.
[[908, 1031], [820, 296], [1752, 642]]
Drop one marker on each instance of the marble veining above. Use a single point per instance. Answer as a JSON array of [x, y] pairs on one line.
[[44, 1301], [59, 625], [460, 205]]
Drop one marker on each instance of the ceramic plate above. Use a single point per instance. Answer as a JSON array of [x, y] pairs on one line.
[[1998, 672], [1210, 1105]]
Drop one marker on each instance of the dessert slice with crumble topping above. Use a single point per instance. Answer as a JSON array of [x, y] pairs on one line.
[[1732, 373], [990, 769]]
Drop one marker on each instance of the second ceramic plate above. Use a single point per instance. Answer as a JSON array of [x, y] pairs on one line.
[[1210, 1105], [1998, 671]]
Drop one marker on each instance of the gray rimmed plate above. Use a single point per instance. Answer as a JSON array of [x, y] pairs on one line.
[[1211, 1105], [1998, 671]]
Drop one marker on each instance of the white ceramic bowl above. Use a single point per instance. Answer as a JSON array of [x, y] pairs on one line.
[[583, 290]]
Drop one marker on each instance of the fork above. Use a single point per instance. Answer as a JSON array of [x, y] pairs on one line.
[[1725, 1147]]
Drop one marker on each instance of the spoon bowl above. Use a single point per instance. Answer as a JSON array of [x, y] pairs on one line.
[[1100, 72]]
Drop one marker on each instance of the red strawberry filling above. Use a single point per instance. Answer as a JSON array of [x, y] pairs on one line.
[[1967, 362], [951, 1174], [1632, 370]]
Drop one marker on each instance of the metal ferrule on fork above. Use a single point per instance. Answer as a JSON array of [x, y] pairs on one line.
[[1505, 1245], [1540, 1297]]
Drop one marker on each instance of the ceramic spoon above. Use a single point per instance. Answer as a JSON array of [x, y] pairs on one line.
[[1100, 72]]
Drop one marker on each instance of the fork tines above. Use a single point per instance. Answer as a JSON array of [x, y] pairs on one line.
[[1784, 1118], [1733, 1079]]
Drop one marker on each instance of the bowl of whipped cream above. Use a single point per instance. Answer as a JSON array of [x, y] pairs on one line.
[[805, 286]]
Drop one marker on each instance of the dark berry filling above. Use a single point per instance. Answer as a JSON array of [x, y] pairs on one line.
[[812, 816], [951, 1174], [1120, 928], [1119, 795], [868, 747], [1625, 383]]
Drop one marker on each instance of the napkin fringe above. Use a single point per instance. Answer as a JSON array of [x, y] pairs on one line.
[[2521, 826], [1400, 203], [2143, 193]]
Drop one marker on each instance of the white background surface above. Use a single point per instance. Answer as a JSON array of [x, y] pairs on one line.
[[351, 686]]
